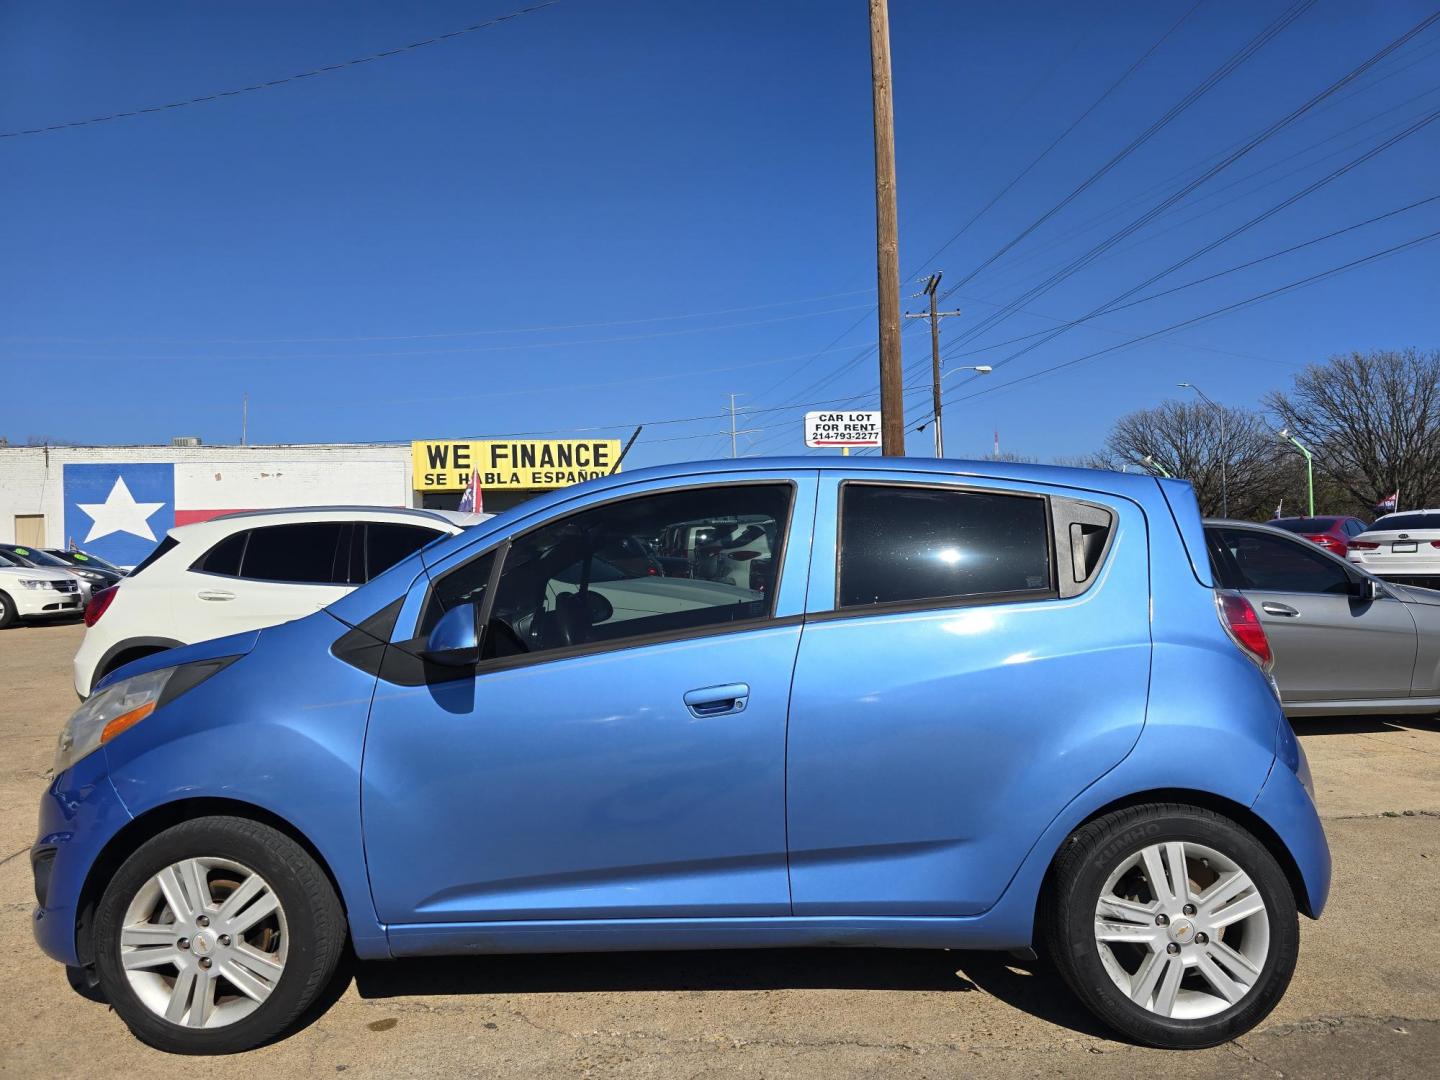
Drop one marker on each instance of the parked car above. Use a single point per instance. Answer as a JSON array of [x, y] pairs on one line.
[[1345, 642], [37, 559], [27, 592], [84, 558], [243, 571], [977, 705], [1331, 533], [1403, 548]]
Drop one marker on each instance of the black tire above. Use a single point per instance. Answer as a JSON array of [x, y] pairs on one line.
[[7, 612], [1081, 870], [315, 931]]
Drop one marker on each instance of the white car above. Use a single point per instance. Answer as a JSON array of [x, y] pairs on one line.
[[34, 592], [1403, 547], [246, 571]]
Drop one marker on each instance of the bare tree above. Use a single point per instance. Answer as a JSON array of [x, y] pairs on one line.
[[1372, 420], [1189, 440]]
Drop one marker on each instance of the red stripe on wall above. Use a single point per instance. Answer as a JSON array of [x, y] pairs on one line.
[[190, 517]]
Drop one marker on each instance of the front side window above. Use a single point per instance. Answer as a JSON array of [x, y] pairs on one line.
[[668, 563], [906, 543], [1274, 564]]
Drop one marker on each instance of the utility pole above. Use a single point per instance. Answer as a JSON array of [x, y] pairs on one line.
[[931, 286], [887, 244], [244, 417], [734, 431]]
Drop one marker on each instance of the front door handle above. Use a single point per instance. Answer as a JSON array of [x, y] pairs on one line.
[[717, 700], [1283, 610], [215, 594]]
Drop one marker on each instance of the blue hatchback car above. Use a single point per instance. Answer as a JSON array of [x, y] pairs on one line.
[[776, 702]]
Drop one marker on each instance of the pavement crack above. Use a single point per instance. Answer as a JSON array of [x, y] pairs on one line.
[[13, 855]]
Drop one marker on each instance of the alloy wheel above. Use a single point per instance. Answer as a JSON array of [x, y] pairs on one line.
[[1182, 930], [204, 942]]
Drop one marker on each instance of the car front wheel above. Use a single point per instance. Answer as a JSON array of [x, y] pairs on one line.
[[215, 935], [1173, 924]]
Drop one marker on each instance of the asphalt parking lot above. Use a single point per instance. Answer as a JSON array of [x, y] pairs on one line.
[[1365, 1000]]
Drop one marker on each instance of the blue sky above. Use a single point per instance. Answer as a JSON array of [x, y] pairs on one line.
[[682, 193]]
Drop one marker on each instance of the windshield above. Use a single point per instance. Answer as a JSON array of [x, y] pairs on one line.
[[1305, 525], [34, 557], [1406, 521], [82, 558]]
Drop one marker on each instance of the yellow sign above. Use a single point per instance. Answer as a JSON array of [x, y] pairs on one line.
[[530, 464]]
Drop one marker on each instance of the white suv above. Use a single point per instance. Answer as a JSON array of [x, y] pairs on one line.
[[35, 592], [247, 571]]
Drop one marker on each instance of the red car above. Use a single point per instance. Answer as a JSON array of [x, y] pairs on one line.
[[1331, 533]]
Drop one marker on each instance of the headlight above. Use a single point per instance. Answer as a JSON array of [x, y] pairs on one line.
[[124, 704], [31, 583]]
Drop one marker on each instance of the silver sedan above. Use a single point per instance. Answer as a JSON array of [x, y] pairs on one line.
[[1345, 642]]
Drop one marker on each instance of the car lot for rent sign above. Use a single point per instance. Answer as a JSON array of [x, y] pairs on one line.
[[842, 429], [530, 464]]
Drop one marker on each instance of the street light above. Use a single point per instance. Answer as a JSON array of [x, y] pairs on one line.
[[1150, 463], [1309, 465], [979, 369], [1224, 450]]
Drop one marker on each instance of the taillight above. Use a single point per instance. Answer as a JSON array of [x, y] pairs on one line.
[[1238, 617], [1365, 545], [1435, 543], [98, 603], [1322, 540]]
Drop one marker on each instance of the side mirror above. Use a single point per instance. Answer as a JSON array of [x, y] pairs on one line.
[[455, 639], [1365, 589]]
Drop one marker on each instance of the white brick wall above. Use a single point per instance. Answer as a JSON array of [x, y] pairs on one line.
[[31, 477]]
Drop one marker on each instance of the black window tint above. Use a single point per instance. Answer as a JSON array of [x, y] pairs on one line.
[[386, 543], [304, 554], [656, 564], [901, 543], [1274, 564], [163, 547], [224, 557], [1355, 526], [466, 584]]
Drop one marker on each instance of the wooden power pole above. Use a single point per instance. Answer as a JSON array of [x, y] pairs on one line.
[[887, 244]]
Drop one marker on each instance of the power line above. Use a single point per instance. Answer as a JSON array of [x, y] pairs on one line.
[[1082, 261], [486, 25]]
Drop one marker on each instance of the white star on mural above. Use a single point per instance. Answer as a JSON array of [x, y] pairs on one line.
[[120, 513]]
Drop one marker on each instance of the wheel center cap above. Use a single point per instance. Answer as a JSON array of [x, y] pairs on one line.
[[203, 943], [1182, 931]]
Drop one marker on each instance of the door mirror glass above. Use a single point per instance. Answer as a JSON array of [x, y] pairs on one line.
[[453, 642]]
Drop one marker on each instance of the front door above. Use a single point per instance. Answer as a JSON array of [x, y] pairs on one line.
[[975, 656], [619, 750], [1329, 643]]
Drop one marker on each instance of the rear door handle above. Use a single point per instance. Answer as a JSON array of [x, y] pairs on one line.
[[717, 700], [1283, 610], [215, 594]]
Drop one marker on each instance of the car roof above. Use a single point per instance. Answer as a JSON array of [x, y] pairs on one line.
[[224, 524]]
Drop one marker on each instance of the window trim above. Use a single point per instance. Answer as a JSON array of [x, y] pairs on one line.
[[503, 544], [940, 603]]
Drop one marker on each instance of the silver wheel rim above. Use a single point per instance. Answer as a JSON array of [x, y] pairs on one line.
[[1182, 930], [204, 942]]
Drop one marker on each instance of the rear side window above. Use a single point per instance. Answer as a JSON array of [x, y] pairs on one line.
[[903, 543], [386, 543], [224, 557], [162, 548], [1268, 563], [310, 553]]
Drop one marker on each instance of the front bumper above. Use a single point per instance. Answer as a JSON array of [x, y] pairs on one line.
[[79, 813], [46, 603]]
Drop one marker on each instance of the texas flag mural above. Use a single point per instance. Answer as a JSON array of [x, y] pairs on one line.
[[121, 511]]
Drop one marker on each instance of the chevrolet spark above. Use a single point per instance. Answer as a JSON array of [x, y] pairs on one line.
[[949, 705]]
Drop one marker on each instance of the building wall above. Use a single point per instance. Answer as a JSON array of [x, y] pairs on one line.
[[173, 485]]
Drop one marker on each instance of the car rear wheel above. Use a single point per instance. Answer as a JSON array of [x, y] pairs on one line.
[[215, 935], [1173, 924]]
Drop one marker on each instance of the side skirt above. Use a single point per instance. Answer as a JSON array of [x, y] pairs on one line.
[[636, 935]]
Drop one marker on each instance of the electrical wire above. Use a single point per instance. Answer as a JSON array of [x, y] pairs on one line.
[[218, 95]]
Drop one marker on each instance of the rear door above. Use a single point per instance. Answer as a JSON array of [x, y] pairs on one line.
[[1329, 643], [974, 656]]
